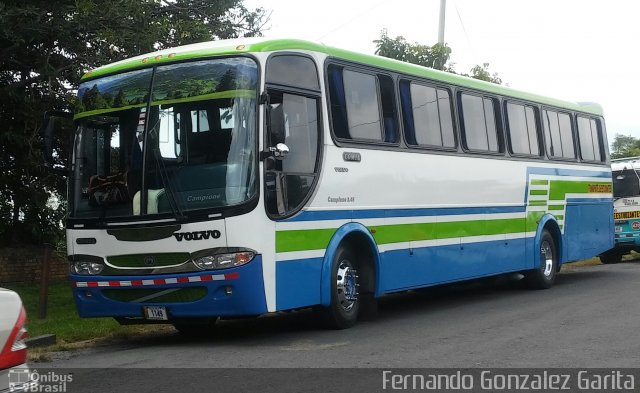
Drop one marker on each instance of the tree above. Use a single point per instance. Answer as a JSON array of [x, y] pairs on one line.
[[482, 73], [45, 47], [398, 48], [436, 56], [625, 146]]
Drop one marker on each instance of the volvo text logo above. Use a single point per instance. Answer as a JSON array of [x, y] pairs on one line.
[[197, 235]]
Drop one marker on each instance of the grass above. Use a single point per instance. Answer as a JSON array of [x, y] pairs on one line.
[[62, 318]]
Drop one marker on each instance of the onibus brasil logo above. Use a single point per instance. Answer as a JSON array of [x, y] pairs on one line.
[[25, 380]]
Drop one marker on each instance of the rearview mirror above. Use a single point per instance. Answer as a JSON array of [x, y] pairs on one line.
[[48, 131]]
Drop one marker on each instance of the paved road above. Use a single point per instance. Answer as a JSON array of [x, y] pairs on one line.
[[590, 318]]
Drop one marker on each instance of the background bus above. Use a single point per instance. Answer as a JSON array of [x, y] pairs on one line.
[[626, 208], [236, 178]]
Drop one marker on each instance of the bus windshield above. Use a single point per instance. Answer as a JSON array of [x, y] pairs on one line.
[[192, 147], [626, 183]]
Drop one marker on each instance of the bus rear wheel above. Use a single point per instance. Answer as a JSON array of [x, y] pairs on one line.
[[544, 275], [345, 292]]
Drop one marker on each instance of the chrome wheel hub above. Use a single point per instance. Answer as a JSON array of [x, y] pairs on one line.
[[546, 256], [347, 285]]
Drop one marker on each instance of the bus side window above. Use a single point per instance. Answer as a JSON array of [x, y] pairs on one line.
[[590, 139], [427, 115], [558, 131], [363, 106], [522, 129], [479, 123]]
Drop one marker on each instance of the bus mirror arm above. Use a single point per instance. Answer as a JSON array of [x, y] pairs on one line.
[[279, 152]]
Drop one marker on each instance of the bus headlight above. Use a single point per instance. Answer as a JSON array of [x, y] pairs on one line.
[[223, 261], [87, 268]]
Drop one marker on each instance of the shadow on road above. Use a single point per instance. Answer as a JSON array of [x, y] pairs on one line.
[[272, 328], [418, 303]]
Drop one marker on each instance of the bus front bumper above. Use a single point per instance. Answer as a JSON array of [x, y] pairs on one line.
[[214, 293]]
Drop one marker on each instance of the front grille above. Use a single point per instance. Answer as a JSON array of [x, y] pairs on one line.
[[156, 295], [148, 260]]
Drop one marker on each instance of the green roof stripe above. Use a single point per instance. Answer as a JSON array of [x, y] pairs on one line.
[[210, 96], [266, 45]]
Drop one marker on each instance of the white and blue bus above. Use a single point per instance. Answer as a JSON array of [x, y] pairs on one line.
[[245, 177]]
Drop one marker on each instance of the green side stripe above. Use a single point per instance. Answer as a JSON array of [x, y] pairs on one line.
[[538, 192], [537, 182], [556, 207], [559, 188], [559, 217], [533, 219], [318, 239], [301, 240], [537, 203]]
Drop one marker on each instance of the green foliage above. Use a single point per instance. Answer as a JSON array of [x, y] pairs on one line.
[[398, 48], [45, 47], [625, 146], [436, 56], [482, 73]]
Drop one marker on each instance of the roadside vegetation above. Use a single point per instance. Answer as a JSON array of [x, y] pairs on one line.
[[72, 332]]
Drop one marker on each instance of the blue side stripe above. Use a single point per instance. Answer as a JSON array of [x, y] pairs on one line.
[[382, 213], [566, 172], [588, 200]]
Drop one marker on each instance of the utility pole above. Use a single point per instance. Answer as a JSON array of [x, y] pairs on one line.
[[443, 7]]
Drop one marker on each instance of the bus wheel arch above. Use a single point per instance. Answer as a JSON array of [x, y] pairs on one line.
[[553, 228], [354, 241], [547, 253]]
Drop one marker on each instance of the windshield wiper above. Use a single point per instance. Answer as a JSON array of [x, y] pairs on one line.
[[166, 182]]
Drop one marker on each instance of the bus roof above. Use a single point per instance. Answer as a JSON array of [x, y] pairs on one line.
[[619, 164], [247, 45]]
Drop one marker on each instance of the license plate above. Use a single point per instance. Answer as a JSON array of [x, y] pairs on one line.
[[156, 313], [618, 229]]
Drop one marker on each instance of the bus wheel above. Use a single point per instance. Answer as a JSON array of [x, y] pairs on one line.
[[195, 327], [345, 296], [610, 257], [544, 275]]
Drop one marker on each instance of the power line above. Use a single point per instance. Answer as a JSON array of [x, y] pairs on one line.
[[357, 16], [464, 30]]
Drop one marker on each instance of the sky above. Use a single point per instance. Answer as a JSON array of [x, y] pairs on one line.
[[584, 51]]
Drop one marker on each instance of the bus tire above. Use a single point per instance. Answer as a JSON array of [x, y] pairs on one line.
[[544, 275], [342, 313], [195, 327], [611, 257]]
